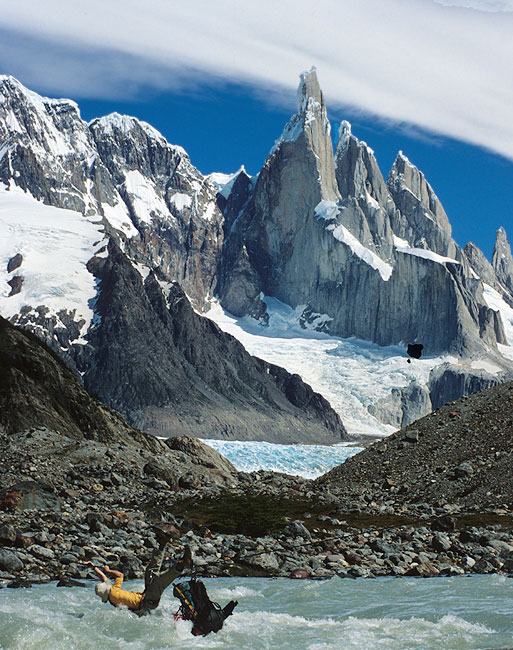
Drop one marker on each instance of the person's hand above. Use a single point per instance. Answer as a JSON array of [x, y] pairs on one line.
[[106, 567]]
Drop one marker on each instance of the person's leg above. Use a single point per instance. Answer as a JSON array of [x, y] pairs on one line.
[[158, 583], [154, 566]]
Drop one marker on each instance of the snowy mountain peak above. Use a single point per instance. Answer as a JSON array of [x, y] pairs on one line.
[[224, 182], [414, 195], [311, 117], [127, 125], [344, 133], [308, 90]]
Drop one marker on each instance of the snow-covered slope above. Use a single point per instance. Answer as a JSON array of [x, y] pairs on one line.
[[54, 247], [352, 374]]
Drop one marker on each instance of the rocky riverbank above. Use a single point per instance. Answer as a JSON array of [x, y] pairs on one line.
[[78, 483], [67, 501]]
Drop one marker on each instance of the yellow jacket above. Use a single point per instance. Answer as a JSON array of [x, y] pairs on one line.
[[117, 596]]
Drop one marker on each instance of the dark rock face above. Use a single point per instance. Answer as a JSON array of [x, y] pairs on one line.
[[185, 375], [16, 283], [37, 389], [448, 383], [15, 262]]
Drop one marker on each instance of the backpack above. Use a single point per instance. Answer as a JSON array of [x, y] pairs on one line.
[[196, 606]]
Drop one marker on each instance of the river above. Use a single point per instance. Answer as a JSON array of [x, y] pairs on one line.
[[461, 613]]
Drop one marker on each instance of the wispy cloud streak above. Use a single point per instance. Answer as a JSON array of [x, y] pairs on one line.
[[444, 68]]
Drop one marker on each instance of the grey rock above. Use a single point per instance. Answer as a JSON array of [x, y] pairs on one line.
[[403, 406], [266, 561], [502, 547], [502, 260], [448, 382], [464, 469], [9, 561], [7, 535], [31, 495], [441, 542], [297, 529], [41, 552], [411, 435]]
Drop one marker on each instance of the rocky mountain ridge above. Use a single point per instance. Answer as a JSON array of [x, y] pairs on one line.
[[134, 338], [365, 240], [382, 265]]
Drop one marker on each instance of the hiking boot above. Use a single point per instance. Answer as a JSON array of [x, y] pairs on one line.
[[186, 561], [161, 536]]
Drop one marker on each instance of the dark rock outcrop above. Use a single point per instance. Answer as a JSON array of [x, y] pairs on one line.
[[186, 375], [37, 389], [14, 262]]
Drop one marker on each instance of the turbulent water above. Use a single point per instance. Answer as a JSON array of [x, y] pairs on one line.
[[386, 613], [309, 461]]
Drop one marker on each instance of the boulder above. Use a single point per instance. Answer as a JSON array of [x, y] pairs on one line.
[[9, 561]]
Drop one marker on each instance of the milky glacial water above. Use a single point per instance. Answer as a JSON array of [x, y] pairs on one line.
[[461, 613], [309, 461]]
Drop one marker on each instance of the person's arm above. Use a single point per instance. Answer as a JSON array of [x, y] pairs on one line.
[[98, 572], [113, 572]]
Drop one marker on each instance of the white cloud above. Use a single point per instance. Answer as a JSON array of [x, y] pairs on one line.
[[446, 69], [480, 5]]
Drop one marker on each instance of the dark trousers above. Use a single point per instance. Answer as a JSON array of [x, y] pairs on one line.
[[156, 582]]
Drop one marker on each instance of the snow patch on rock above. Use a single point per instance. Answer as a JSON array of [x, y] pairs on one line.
[[56, 245]]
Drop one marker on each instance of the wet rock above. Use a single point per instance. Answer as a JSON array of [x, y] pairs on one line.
[[69, 582], [424, 570], [20, 583], [299, 574]]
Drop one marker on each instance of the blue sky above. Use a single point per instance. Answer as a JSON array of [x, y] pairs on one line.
[[429, 77]]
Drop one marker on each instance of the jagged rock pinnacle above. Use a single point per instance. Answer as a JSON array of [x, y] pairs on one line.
[[502, 260], [308, 89]]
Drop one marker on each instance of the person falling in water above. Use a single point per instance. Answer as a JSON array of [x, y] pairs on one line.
[[196, 606], [156, 581]]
